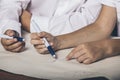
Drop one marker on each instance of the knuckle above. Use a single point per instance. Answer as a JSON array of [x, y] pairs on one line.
[[83, 45], [33, 35]]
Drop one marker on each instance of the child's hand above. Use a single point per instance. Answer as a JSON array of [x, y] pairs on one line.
[[12, 44], [38, 42]]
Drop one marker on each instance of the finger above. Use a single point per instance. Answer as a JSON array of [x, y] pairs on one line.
[[34, 36], [42, 51], [8, 42], [39, 46], [37, 42], [45, 35], [82, 58], [70, 55], [18, 49], [52, 44], [14, 46], [75, 50], [79, 53], [87, 61]]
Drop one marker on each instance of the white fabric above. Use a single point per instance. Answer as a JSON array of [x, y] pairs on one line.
[[114, 3], [32, 64], [64, 15]]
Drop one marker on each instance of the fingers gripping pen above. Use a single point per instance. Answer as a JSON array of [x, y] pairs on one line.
[[8, 37], [50, 49]]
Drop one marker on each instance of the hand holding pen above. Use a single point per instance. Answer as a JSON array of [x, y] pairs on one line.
[[11, 42], [40, 41]]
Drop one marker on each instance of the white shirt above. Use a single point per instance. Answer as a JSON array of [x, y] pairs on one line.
[[55, 16], [114, 3]]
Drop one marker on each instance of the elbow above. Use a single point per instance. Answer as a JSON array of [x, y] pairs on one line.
[[105, 31]]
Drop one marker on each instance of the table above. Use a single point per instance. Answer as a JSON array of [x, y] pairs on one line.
[[30, 63]]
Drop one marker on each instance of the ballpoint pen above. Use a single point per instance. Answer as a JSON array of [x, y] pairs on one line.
[[8, 37], [50, 49]]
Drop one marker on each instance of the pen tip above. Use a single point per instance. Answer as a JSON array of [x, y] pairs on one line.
[[54, 56], [23, 39]]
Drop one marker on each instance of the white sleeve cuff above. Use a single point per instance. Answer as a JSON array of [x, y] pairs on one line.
[[43, 23], [8, 24]]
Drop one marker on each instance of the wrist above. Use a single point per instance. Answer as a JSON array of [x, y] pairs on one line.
[[58, 43], [108, 50]]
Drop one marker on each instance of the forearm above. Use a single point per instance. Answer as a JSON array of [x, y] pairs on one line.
[[90, 33], [25, 20], [100, 29]]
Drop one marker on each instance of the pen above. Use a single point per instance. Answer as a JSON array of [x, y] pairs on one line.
[[50, 49], [8, 37]]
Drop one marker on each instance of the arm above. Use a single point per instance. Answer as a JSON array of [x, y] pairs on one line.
[[84, 15], [98, 30], [10, 11], [10, 25], [25, 20]]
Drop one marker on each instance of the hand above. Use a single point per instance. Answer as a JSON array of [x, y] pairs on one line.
[[88, 53], [12, 44], [37, 41]]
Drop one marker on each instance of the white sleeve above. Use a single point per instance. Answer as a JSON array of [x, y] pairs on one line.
[[42, 23], [85, 15], [10, 10]]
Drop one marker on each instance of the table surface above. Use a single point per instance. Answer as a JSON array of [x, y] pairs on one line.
[[30, 63]]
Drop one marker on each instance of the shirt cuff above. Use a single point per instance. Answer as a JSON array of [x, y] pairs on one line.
[[42, 22], [8, 24], [109, 2]]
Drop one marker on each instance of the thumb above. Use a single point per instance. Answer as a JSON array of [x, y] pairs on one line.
[[11, 33]]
